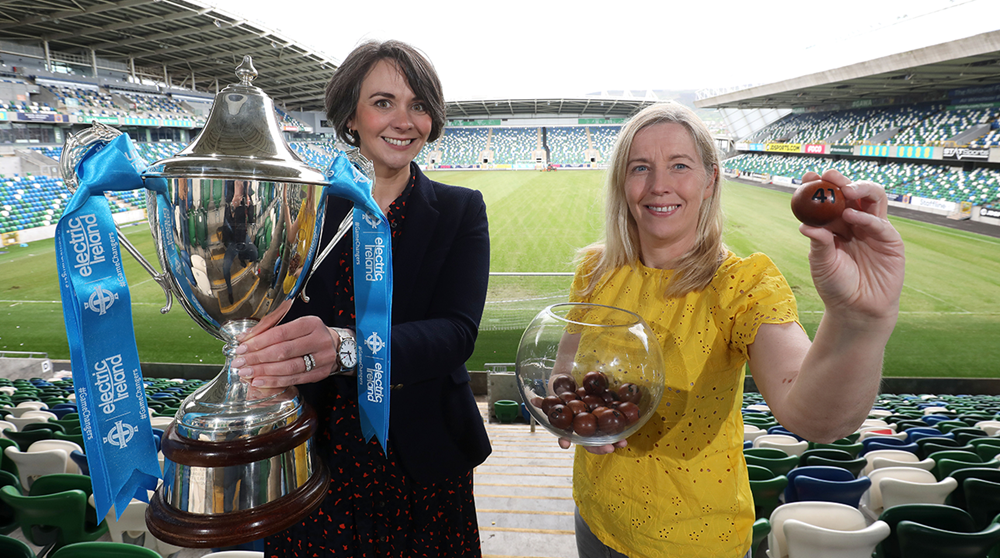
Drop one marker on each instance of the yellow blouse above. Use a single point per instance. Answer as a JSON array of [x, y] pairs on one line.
[[680, 487]]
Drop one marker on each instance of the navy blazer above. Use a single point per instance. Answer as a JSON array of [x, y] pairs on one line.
[[440, 267]]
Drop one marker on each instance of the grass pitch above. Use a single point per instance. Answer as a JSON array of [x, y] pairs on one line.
[[948, 326]]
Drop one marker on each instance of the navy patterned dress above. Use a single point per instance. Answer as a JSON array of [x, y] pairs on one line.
[[373, 508]]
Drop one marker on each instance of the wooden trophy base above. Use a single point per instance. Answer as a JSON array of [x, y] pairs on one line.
[[216, 530], [197, 530]]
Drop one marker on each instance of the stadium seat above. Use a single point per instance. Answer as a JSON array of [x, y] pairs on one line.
[[24, 440], [104, 549], [846, 444], [778, 464], [935, 515], [807, 539], [766, 488], [788, 444], [898, 491], [751, 432], [853, 466], [761, 529], [808, 488], [27, 418], [8, 523], [55, 519], [872, 502], [32, 465], [65, 445], [982, 500], [80, 459], [948, 461], [131, 528], [14, 548], [7, 425], [828, 515], [921, 541], [24, 407]]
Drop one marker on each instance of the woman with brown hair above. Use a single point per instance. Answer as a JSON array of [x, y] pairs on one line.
[[415, 499]]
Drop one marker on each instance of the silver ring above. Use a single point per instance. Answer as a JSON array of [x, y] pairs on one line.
[[310, 362]]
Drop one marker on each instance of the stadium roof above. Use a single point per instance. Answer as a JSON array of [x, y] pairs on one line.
[[186, 42], [924, 74], [602, 107], [187, 39]]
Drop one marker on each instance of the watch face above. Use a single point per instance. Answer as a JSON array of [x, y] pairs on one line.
[[348, 353]]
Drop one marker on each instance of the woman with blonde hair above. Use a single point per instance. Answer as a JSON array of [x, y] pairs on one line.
[[679, 485]]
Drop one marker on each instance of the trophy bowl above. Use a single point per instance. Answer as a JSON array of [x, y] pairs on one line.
[[236, 218], [590, 373]]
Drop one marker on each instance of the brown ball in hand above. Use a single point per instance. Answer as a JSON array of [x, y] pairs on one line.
[[818, 203]]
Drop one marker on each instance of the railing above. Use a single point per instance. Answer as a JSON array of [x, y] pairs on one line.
[[23, 354]]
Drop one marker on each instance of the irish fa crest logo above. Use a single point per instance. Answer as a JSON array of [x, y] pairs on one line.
[[101, 300], [374, 343], [120, 435], [359, 177], [372, 219]]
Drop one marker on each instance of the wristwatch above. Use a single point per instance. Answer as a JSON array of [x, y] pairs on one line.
[[347, 355]]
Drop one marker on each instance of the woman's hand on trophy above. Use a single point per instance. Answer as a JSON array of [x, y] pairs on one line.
[[299, 352]]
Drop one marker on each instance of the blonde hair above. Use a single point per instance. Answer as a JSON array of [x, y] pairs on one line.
[[693, 270]]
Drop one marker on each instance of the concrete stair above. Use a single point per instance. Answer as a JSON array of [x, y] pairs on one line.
[[524, 495]]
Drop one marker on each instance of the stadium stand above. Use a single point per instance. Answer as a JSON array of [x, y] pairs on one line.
[[30, 201], [153, 106], [946, 125], [980, 186], [154, 151], [511, 145], [991, 139], [567, 145], [886, 121], [461, 146], [785, 130], [604, 138], [289, 122], [317, 155], [77, 100]]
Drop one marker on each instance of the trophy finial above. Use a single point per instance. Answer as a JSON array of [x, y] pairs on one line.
[[245, 71]]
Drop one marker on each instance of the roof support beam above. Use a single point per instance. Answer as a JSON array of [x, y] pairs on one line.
[[68, 14]]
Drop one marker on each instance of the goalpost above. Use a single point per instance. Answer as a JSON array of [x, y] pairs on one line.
[[513, 299]]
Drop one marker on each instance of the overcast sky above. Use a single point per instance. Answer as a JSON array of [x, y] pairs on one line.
[[545, 48]]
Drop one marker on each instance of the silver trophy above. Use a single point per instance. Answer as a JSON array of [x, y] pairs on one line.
[[236, 233]]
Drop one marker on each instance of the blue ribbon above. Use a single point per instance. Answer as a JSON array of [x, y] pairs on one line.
[[372, 294], [117, 436]]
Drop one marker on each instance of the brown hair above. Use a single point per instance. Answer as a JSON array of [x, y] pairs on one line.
[[344, 88], [693, 270]]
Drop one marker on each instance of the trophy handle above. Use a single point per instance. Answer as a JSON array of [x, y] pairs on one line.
[[75, 147], [345, 226], [353, 155]]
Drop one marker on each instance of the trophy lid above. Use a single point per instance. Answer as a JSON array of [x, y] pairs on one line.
[[240, 141]]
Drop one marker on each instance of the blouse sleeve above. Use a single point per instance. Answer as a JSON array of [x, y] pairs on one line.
[[757, 294]]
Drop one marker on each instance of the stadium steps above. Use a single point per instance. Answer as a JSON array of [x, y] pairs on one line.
[[524, 494], [970, 135]]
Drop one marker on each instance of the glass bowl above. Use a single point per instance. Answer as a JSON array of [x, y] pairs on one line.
[[590, 373]]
